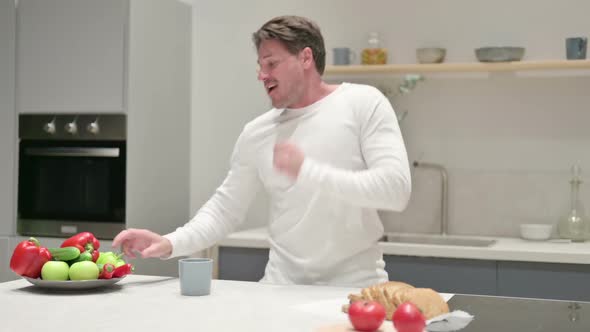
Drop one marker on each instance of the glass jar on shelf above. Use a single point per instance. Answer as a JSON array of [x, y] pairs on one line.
[[574, 225], [375, 53]]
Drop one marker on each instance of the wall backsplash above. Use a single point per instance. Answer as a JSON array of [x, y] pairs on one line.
[[508, 140], [508, 143], [485, 202]]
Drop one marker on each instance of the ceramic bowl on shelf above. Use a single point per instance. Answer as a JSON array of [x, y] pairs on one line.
[[499, 54], [536, 232], [430, 54]]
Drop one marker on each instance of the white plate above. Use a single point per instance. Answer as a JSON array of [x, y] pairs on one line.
[[73, 284]]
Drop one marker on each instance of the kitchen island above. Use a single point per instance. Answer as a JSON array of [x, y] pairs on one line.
[[150, 303]]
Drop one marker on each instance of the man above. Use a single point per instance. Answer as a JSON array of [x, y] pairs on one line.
[[328, 156]]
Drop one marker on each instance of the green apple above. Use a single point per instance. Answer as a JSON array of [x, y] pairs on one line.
[[85, 270], [120, 262], [108, 257], [55, 270]]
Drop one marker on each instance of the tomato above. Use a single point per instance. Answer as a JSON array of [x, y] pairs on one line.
[[408, 318], [366, 316]]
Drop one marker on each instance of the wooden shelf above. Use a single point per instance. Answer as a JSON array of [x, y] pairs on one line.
[[450, 67]]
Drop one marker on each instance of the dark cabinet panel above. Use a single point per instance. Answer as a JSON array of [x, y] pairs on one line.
[[246, 264], [447, 275], [544, 280]]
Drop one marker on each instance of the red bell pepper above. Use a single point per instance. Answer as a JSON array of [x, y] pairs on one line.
[[28, 258], [83, 241], [123, 270]]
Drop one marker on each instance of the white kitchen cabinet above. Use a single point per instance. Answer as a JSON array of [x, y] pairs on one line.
[[159, 117], [7, 118], [131, 56], [5, 254], [71, 55]]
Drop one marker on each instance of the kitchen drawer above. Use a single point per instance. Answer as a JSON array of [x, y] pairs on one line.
[[246, 264], [544, 280], [463, 276]]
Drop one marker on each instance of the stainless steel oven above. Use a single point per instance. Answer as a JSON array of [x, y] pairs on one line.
[[72, 174]]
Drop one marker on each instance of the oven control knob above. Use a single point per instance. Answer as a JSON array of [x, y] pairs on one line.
[[71, 128], [93, 128], [49, 128]]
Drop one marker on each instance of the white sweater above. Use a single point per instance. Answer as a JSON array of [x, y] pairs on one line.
[[324, 226]]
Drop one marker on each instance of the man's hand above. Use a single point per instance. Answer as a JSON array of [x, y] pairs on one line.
[[288, 159], [147, 243]]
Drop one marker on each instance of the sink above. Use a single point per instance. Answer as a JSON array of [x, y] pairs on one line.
[[443, 240]]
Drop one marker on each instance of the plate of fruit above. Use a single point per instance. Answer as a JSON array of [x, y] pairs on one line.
[[76, 264], [72, 284]]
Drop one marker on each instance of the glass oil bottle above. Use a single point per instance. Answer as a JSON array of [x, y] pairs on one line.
[[574, 225], [374, 54]]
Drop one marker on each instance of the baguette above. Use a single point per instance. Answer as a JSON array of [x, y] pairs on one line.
[[391, 294], [426, 299], [382, 293]]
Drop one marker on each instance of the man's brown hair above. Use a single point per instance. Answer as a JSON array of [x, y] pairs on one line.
[[296, 33]]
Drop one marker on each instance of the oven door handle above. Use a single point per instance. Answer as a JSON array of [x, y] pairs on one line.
[[74, 152]]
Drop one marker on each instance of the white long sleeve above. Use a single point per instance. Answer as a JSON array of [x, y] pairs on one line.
[[324, 227], [386, 183]]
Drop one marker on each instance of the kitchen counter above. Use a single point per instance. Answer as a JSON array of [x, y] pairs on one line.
[[151, 303], [505, 249]]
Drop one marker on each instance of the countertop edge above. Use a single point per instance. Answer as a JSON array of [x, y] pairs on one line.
[[506, 249]]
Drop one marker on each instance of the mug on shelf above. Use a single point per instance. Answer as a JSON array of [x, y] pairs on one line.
[[575, 48], [343, 56]]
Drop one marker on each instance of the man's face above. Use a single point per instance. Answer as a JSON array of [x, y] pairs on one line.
[[281, 73]]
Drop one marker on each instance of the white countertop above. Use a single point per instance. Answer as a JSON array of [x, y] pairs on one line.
[[505, 249], [151, 303]]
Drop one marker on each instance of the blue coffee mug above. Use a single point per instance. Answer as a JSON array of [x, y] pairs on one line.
[[195, 276], [343, 56], [575, 48]]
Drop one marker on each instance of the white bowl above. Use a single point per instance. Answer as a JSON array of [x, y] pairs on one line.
[[537, 232], [430, 54], [499, 54]]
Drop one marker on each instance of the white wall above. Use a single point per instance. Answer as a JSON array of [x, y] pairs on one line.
[[507, 139]]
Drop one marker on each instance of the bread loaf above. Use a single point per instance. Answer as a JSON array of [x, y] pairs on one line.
[[391, 294]]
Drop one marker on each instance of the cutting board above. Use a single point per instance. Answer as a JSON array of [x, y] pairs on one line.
[[387, 326]]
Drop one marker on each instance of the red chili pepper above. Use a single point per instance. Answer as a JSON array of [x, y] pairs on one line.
[[83, 241], [123, 270], [28, 258], [95, 253], [107, 271]]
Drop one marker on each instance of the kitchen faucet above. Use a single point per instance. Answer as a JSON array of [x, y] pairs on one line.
[[445, 191]]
